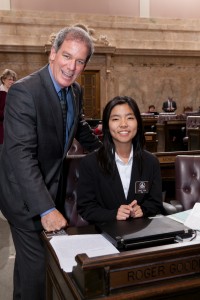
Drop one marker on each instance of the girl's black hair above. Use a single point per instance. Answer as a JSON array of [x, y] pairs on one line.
[[106, 154]]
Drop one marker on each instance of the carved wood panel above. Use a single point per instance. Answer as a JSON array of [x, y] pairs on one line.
[[90, 82]]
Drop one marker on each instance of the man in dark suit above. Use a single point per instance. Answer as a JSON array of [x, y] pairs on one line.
[[33, 154], [169, 105], [2, 105]]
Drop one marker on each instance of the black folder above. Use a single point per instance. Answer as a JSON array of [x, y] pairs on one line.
[[143, 232]]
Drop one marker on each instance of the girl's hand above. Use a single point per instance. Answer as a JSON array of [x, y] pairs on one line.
[[136, 211], [124, 212]]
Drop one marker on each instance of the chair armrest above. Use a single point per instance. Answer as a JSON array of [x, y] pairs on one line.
[[169, 208], [177, 204]]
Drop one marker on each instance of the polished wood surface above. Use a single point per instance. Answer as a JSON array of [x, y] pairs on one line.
[[193, 138], [151, 141], [149, 123], [169, 130], [170, 135], [163, 272]]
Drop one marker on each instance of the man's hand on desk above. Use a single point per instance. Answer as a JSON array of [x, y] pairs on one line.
[[53, 221]]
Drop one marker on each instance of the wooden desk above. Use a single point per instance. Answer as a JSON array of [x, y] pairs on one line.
[[149, 123], [193, 138], [164, 272], [170, 135], [151, 141], [167, 162]]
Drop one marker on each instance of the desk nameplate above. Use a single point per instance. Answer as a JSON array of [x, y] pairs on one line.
[[170, 157], [148, 138], [167, 159], [135, 268], [141, 274]]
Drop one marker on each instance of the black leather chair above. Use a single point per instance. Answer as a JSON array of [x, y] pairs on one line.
[[76, 148], [187, 176]]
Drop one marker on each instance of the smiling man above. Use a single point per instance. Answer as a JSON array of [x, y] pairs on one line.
[[33, 154]]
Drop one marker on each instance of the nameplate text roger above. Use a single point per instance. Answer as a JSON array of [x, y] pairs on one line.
[[154, 272]]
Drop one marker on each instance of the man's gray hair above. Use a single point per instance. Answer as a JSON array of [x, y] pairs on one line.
[[76, 34]]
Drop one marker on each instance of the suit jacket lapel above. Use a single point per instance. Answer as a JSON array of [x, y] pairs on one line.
[[53, 103], [57, 116], [134, 177]]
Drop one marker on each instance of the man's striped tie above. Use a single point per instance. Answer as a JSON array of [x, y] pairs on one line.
[[63, 103]]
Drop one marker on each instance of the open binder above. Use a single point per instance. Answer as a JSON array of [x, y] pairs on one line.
[[143, 232]]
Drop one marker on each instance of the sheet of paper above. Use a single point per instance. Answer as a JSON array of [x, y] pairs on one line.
[[180, 216], [193, 220], [68, 246]]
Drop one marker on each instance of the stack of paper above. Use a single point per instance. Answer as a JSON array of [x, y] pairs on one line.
[[190, 217], [180, 216], [67, 247], [193, 219]]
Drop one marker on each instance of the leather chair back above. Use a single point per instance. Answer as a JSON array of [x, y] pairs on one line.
[[76, 148], [72, 168], [187, 172]]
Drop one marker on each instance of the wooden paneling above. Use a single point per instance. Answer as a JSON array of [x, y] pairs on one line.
[[193, 138], [170, 136], [90, 82]]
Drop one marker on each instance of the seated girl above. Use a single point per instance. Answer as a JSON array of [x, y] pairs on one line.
[[121, 180]]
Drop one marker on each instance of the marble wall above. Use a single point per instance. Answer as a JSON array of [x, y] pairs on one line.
[[151, 79], [148, 59]]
